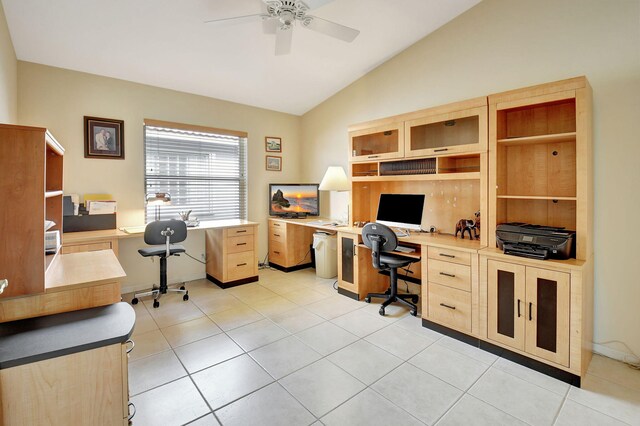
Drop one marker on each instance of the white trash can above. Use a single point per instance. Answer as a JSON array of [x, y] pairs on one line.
[[326, 247]]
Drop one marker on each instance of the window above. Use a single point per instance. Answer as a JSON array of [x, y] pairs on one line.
[[204, 170]]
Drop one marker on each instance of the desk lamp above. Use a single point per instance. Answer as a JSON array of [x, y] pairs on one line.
[[335, 179], [158, 199]]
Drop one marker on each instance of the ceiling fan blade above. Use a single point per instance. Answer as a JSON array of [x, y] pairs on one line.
[[269, 26], [331, 28], [314, 4], [283, 41], [238, 19]]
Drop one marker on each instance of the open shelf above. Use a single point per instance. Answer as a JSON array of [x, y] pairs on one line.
[[535, 197], [432, 177], [540, 139]]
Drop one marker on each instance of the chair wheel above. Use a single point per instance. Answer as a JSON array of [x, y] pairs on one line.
[[182, 288], [381, 311], [367, 299], [414, 299], [156, 303], [134, 301], [414, 313], [185, 297]]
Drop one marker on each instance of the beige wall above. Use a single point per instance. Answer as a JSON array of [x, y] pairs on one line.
[[59, 99], [506, 44], [8, 75]]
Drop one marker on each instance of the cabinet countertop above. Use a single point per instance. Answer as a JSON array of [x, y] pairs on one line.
[[83, 269], [138, 231], [37, 339]]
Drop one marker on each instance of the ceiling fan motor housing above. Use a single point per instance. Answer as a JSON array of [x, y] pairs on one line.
[[287, 11]]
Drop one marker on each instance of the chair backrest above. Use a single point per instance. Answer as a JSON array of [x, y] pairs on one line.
[[154, 230], [379, 238]]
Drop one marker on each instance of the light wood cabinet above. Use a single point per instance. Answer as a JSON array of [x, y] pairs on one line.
[[448, 130], [81, 388], [232, 255], [528, 309], [289, 245], [356, 275], [31, 163], [377, 142]]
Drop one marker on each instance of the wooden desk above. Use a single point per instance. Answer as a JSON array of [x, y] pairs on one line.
[[290, 241], [74, 281], [231, 247]]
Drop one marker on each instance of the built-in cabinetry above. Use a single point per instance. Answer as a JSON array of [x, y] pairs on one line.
[[541, 172], [289, 245], [232, 254], [31, 192], [442, 154], [518, 156]]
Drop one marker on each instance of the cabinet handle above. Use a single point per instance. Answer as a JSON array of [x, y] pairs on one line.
[[447, 275], [447, 255], [276, 224], [276, 252], [241, 244], [373, 156], [240, 232], [3, 284], [448, 306], [242, 264], [131, 415], [518, 308], [441, 150], [276, 235], [530, 306], [133, 345]]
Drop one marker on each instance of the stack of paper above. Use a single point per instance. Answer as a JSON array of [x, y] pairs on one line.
[[102, 207]]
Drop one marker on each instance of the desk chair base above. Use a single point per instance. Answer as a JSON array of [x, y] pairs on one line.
[[157, 293], [392, 295]]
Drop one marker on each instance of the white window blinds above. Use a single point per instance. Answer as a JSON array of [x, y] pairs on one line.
[[203, 172]]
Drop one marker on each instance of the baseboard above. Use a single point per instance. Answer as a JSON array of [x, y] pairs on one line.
[[291, 268], [348, 293], [614, 353], [232, 283]]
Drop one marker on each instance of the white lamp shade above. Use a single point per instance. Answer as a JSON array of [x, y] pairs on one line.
[[335, 179]]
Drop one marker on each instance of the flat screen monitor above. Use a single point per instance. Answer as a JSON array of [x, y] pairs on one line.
[[294, 199], [401, 210]]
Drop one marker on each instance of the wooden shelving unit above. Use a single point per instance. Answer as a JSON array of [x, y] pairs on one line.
[[31, 186]]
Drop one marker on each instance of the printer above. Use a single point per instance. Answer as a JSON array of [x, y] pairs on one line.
[[536, 241]]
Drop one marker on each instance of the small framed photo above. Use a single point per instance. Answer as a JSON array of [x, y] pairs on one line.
[[272, 144], [274, 163], [103, 138]]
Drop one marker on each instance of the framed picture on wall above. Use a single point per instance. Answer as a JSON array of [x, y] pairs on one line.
[[103, 138], [273, 144], [274, 163]]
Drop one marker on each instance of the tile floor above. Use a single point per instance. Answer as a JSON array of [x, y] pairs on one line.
[[265, 354]]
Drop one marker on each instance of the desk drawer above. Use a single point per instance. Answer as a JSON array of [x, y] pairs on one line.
[[450, 307], [277, 253], [239, 244], [450, 255], [240, 265], [449, 274], [277, 225], [239, 231], [278, 234]]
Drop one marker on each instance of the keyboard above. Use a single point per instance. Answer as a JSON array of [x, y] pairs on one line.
[[403, 249]]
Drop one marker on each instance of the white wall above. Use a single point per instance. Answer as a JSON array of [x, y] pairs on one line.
[[507, 44], [59, 99], [8, 75]]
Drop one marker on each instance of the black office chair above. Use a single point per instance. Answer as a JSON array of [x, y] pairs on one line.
[[162, 236], [382, 240]]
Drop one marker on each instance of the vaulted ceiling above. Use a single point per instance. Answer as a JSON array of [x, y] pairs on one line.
[[166, 43]]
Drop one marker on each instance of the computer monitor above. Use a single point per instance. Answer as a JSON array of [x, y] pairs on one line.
[[401, 210]]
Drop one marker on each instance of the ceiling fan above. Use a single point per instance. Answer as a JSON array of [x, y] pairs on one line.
[[280, 16]]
